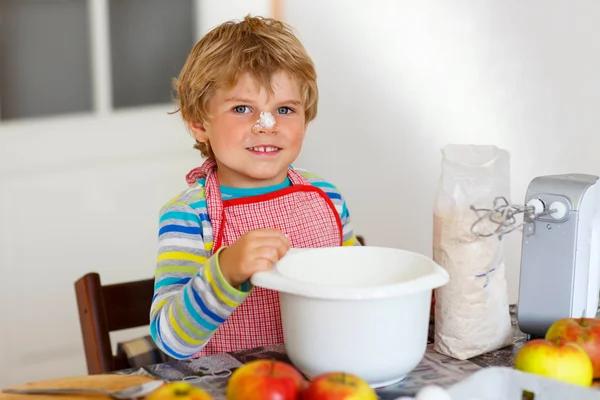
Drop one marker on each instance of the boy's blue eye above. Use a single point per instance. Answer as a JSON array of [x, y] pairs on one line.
[[284, 110], [241, 109]]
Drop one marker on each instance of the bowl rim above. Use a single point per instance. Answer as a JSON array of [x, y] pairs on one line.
[[273, 279]]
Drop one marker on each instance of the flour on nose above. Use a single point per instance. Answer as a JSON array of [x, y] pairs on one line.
[[266, 120]]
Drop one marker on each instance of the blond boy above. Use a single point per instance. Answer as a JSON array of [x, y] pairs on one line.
[[247, 92]]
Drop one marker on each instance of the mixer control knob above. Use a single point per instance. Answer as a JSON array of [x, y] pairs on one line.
[[537, 204], [560, 210]]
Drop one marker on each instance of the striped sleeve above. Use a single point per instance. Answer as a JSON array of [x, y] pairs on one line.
[[191, 296], [349, 238]]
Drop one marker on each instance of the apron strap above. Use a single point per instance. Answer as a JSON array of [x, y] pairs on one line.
[[296, 178], [214, 205]]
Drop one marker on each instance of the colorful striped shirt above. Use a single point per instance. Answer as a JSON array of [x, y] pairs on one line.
[[191, 296]]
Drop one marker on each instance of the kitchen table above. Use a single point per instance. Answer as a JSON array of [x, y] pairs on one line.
[[212, 372]]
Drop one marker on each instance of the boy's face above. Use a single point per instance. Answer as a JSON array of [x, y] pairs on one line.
[[239, 148]]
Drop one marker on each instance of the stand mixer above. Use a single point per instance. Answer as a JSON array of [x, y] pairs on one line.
[[560, 263], [560, 257]]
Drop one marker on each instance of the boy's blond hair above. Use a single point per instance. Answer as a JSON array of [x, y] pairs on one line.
[[256, 45]]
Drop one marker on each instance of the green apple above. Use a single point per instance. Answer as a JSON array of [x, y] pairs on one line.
[[178, 391]]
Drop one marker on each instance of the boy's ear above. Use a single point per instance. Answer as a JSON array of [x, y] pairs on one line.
[[198, 130]]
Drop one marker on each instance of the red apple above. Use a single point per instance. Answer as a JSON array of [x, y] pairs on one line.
[[265, 380], [583, 331], [338, 386], [558, 359]]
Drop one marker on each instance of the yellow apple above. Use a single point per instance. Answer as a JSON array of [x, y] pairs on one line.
[[558, 359], [338, 386], [178, 391]]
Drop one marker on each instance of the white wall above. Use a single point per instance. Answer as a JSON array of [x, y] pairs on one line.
[[398, 81], [401, 79]]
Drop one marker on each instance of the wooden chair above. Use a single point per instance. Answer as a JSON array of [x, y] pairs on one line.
[[104, 309]]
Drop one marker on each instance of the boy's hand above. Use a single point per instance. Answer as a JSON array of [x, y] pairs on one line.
[[254, 251]]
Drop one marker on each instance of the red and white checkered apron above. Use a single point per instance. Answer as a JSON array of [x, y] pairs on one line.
[[302, 211]]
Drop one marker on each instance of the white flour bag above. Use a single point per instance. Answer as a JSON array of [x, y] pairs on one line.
[[471, 311]]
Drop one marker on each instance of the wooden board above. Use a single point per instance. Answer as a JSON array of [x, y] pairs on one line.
[[109, 382]]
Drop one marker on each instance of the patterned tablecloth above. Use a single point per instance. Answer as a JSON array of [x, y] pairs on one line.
[[211, 372]]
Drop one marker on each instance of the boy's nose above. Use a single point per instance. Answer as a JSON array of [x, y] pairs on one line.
[[264, 130]]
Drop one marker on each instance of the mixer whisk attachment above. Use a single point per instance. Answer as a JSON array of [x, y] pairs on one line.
[[502, 216]]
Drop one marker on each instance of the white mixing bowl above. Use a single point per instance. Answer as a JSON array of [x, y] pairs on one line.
[[362, 310]]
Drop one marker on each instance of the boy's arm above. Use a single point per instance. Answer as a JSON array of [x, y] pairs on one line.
[[191, 297]]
